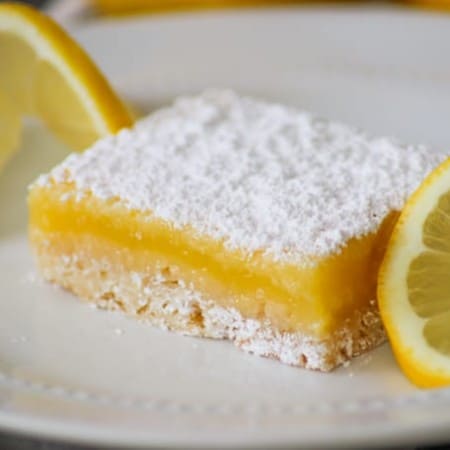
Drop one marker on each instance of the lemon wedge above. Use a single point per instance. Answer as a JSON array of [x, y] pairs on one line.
[[414, 283], [46, 74]]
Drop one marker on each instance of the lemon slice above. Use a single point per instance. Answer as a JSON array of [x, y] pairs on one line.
[[46, 74], [414, 283]]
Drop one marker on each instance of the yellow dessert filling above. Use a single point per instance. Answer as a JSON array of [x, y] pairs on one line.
[[314, 297]]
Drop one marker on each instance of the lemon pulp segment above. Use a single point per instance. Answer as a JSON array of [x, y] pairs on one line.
[[9, 128], [429, 277]]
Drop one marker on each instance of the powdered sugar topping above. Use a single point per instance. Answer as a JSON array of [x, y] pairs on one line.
[[258, 176]]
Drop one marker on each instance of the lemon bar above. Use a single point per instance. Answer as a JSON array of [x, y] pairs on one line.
[[227, 217]]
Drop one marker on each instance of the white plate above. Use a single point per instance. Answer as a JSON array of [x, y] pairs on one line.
[[71, 372]]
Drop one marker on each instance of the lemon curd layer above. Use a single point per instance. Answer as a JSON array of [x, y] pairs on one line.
[[315, 298], [224, 216]]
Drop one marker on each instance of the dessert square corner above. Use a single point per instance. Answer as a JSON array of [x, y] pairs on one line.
[[227, 217]]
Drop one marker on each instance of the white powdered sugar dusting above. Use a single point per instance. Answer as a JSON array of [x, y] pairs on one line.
[[259, 176]]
